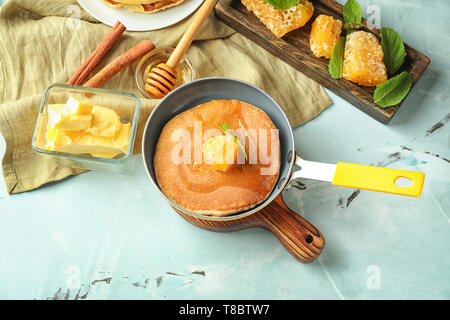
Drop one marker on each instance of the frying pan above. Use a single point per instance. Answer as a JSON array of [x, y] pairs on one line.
[[303, 240]]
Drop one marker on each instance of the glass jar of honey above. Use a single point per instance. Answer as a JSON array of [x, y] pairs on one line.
[[185, 71]]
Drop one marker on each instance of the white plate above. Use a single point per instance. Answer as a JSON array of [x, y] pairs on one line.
[[139, 21]]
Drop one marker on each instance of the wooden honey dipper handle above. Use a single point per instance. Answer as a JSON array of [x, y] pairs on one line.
[[190, 33], [162, 78]]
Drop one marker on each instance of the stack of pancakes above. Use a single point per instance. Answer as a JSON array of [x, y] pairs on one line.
[[143, 6]]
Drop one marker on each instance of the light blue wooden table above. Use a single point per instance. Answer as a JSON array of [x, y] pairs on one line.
[[100, 236]]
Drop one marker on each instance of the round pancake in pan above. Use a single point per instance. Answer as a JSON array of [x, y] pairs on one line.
[[196, 185], [143, 6]]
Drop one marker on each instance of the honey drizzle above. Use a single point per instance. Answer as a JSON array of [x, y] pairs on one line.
[[202, 178]]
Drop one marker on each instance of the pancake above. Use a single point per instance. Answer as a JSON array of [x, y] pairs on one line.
[[143, 6], [196, 185]]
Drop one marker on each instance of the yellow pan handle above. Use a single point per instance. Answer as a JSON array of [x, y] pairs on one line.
[[377, 179]]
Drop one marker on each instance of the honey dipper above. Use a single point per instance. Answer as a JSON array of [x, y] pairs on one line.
[[162, 78]]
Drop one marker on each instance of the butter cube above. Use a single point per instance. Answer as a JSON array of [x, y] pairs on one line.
[[76, 107], [121, 140], [80, 142], [60, 118], [105, 122], [220, 152], [56, 138]]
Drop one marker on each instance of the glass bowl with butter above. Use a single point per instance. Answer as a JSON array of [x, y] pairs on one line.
[[185, 70], [87, 128]]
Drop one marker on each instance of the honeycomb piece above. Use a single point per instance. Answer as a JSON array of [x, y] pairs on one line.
[[325, 32], [280, 22], [363, 59]]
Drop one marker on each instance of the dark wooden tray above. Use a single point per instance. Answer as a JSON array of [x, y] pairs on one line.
[[294, 49]]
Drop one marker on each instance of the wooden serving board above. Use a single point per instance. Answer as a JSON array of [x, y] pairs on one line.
[[294, 49]]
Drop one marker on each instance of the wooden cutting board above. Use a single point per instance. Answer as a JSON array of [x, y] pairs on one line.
[[294, 49]]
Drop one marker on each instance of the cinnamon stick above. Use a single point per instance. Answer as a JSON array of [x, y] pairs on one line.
[[107, 43], [120, 63]]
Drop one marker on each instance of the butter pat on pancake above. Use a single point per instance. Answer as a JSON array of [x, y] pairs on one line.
[[220, 151], [202, 187]]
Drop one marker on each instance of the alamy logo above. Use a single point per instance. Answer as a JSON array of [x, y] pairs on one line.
[[74, 13], [374, 280], [374, 18], [73, 280], [259, 142]]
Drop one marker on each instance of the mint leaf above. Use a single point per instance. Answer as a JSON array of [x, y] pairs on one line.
[[224, 128], [352, 12], [393, 91], [393, 49], [337, 59], [283, 4]]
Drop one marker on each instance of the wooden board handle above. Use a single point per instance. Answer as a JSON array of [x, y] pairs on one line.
[[303, 241]]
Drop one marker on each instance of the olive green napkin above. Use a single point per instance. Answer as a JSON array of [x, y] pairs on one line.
[[41, 43]]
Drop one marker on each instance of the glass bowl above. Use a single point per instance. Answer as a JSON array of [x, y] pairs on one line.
[[185, 70], [126, 105]]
